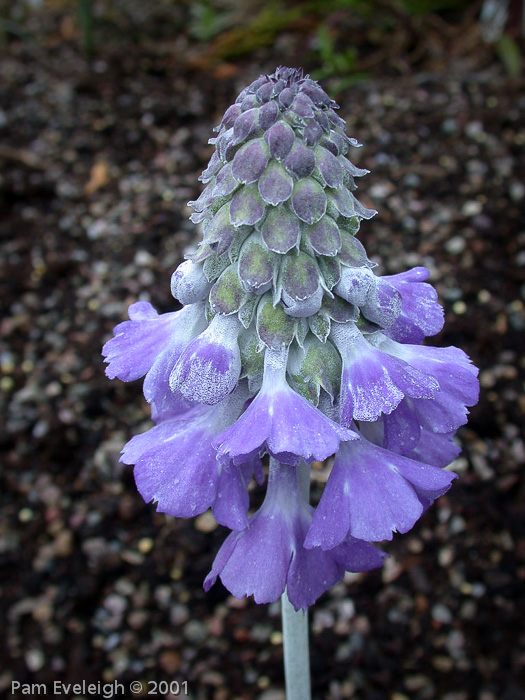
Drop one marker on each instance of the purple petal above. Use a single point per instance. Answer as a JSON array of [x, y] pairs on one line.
[[371, 383], [231, 502], [401, 430], [355, 555], [179, 472], [438, 450], [372, 493], [420, 313], [176, 464], [268, 556], [452, 368], [138, 342]]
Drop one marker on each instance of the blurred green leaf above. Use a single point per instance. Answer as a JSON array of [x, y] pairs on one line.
[[510, 55], [208, 20], [333, 62]]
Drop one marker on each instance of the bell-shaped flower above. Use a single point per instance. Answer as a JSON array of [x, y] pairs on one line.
[[374, 382], [281, 422], [208, 370], [150, 344], [402, 433], [421, 314], [268, 557], [371, 493], [452, 369], [176, 465]]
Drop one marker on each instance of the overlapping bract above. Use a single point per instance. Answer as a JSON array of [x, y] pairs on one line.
[[289, 344]]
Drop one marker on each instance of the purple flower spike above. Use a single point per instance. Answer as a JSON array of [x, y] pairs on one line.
[[209, 368], [371, 493], [288, 426], [290, 344], [268, 556]]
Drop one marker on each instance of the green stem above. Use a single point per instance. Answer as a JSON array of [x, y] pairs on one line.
[[86, 23], [295, 627]]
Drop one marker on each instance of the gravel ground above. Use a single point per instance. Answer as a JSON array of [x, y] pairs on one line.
[[98, 163]]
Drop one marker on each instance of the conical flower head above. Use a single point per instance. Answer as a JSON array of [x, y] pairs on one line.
[[278, 214], [290, 345]]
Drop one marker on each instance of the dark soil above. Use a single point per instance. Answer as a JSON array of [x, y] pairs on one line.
[[98, 159]]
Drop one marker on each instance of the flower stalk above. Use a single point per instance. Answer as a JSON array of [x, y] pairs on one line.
[[295, 625]]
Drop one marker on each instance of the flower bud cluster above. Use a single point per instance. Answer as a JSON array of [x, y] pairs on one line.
[[289, 344]]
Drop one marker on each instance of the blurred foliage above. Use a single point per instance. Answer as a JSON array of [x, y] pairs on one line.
[[510, 55], [85, 10], [342, 65], [250, 30], [341, 40], [208, 19]]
